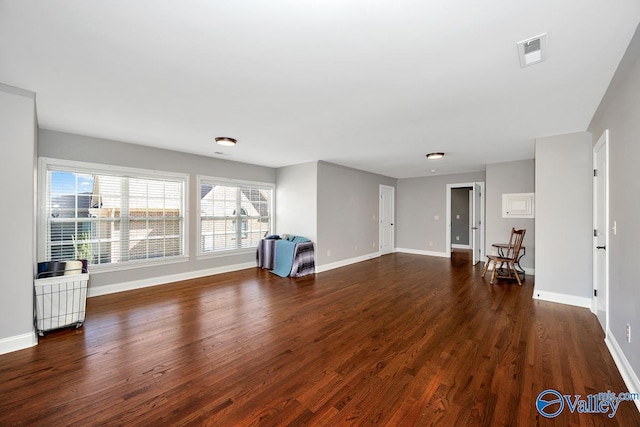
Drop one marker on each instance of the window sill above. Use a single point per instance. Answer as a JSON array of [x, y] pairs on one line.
[[221, 254]]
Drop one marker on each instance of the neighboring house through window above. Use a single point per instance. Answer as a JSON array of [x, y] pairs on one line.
[[234, 215]]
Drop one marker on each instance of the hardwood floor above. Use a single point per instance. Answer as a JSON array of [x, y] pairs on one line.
[[398, 340]]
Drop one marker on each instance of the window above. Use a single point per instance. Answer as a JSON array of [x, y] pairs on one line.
[[111, 216], [234, 215]]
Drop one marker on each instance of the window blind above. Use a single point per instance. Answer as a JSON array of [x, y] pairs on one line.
[[233, 215], [112, 219]]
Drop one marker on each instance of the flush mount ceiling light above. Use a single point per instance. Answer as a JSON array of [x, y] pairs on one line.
[[532, 50], [433, 156], [227, 142]]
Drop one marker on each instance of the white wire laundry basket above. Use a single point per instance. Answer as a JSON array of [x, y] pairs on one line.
[[60, 301]]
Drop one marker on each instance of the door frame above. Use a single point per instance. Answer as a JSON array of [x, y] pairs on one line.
[[470, 245], [393, 219], [448, 216], [602, 288]]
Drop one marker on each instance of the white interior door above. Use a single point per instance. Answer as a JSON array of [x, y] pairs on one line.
[[476, 219], [387, 233], [601, 230]]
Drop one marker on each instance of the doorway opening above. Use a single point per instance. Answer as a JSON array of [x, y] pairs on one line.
[[461, 218], [465, 197], [461, 225], [600, 301]]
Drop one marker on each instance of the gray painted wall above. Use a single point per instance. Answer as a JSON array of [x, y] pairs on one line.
[[348, 206], [564, 214], [619, 112], [460, 216], [418, 201], [503, 178], [61, 145], [297, 200], [18, 141]]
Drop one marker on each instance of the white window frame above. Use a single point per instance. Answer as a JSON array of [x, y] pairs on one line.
[[46, 163], [203, 179]]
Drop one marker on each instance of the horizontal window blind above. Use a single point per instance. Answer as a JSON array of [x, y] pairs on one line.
[[233, 215], [112, 219]]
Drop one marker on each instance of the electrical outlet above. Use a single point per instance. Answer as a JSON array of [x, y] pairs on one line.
[[430, 243], [628, 333], [457, 237], [373, 245], [329, 252]]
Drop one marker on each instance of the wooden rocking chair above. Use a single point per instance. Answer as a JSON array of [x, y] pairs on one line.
[[509, 257]]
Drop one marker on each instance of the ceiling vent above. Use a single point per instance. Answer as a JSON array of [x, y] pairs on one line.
[[533, 50]]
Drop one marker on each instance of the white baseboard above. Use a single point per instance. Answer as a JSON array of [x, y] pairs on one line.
[[345, 262], [18, 342], [154, 281], [527, 270], [421, 252], [562, 298], [456, 246], [626, 371]]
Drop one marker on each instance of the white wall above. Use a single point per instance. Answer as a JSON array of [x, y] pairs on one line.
[[17, 174], [563, 236], [297, 200], [619, 112], [419, 201], [509, 177], [348, 208]]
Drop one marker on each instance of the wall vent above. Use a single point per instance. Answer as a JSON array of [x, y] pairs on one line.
[[532, 50]]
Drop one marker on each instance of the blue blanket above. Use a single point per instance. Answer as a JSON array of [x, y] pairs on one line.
[[297, 239], [284, 257]]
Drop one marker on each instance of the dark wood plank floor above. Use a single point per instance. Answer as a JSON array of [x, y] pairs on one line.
[[398, 340]]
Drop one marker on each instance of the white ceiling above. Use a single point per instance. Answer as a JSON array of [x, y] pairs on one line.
[[370, 84]]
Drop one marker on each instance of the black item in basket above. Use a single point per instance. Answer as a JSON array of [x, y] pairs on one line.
[[51, 269]]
